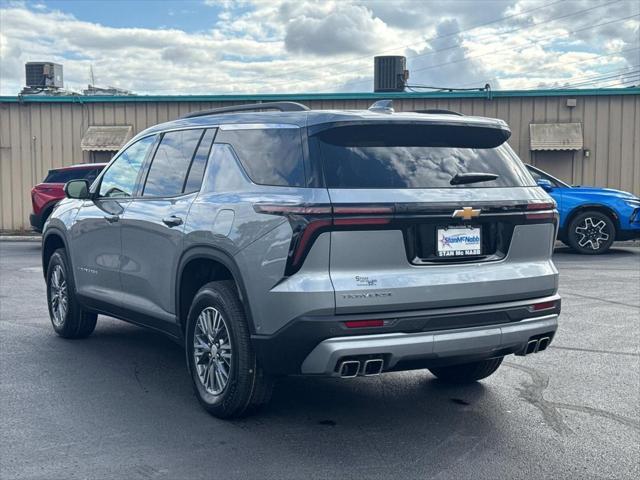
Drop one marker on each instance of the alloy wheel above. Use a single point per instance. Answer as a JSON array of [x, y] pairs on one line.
[[212, 350], [592, 232], [58, 295]]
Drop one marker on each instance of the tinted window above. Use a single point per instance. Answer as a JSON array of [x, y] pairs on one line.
[[270, 156], [170, 163], [120, 178], [194, 178], [224, 174], [414, 156], [63, 176], [92, 174]]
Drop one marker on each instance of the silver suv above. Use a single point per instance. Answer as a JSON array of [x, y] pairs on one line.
[[326, 243]]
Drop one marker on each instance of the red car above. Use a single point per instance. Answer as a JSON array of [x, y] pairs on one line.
[[47, 194]]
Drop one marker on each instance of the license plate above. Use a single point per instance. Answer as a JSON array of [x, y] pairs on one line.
[[459, 241]]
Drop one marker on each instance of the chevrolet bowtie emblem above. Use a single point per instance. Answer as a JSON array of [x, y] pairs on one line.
[[467, 213]]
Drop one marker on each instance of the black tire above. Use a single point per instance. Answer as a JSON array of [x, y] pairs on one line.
[[247, 387], [467, 372], [74, 322], [591, 232]]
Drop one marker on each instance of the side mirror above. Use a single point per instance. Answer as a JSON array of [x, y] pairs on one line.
[[545, 184], [77, 189]]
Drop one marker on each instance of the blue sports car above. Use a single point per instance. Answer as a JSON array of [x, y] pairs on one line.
[[591, 218]]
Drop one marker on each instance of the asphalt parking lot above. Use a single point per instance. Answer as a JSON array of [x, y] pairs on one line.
[[120, 405]]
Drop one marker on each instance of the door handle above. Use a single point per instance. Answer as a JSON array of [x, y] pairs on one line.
[[111, 218], [172, 221]]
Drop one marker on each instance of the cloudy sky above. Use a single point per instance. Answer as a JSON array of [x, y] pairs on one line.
[[279, 46]]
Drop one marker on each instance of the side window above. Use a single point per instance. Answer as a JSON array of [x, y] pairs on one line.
[[91, 175], [120, 179], [224, 173], [271, 156], [196, 171], [170, 163]]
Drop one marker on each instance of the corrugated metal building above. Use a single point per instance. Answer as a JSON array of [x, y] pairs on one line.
[[580, 136]]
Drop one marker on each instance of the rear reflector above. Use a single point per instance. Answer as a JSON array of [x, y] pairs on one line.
[[364, 323], [544, 306]]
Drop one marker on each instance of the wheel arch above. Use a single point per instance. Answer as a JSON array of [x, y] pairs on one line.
[[52, 240], [200, 265]]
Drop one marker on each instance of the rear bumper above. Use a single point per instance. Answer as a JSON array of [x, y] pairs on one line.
[[396, 348], [312, 345], [36, 222]]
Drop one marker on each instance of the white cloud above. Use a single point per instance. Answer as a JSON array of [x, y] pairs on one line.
[[314, 45]]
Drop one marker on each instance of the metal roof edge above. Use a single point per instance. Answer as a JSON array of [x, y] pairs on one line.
[[317, 96]]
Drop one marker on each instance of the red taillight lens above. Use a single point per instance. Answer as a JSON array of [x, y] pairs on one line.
[[541, 211], [536, 307], [364, 323], [308, 221], [363, 210], [284, 209], [541, 206], [305, 239], [361, 221]]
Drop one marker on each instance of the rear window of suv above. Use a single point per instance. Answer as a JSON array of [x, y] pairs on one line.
[[415, 156]]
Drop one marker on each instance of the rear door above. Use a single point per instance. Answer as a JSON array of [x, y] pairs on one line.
[[153, 225], [405, 238]]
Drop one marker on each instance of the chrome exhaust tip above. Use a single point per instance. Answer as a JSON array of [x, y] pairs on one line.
[[349, 368], [532, 347], [373, 367], [543, 343]]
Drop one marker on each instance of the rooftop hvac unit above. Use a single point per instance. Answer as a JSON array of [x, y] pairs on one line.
[[43, 75], [390, 74]]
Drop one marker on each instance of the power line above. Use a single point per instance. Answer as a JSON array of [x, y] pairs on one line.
[[551, 65], [520, 46], [602, 76], [608, 83], [616, 78], [432, 52], [535, 42], [627, 83], [439, 37]]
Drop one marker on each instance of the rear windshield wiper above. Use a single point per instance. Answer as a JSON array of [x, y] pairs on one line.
[[461, 178]]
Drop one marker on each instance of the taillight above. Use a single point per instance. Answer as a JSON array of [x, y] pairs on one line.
[[284, 209], [541, 211], [308, 221]]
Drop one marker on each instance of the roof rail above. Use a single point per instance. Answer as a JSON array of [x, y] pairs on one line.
[[280, 106], [440, 111]]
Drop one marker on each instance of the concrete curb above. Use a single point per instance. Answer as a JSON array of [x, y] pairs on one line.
[[20, 238]]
